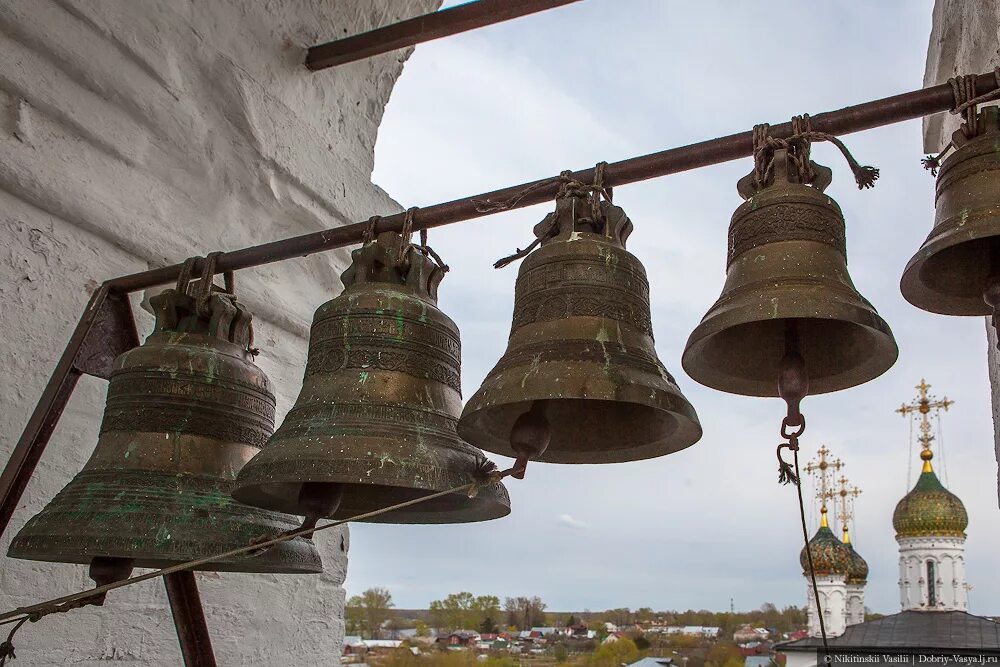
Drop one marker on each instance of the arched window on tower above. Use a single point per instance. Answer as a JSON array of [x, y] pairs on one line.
[[931, 587]]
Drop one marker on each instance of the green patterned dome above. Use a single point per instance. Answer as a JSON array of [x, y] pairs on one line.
[[930, 509], [857, 572], [830, 555]]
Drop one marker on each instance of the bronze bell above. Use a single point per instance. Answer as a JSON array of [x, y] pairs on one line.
[[185, 411], [580, 381], [374, 424], [787, 280], [952, 270]]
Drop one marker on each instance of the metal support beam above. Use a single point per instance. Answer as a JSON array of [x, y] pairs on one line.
[[422, 29], [189, 619], [864, 116], [105, 330]]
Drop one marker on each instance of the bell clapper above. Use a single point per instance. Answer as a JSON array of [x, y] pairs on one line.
[[529, 437], [106, 570], [319, 500], [793, 386]]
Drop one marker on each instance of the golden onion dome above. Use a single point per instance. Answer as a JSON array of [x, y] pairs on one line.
[[929, 509], [830, 555]]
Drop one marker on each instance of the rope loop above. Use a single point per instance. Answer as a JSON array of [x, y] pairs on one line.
[[206, 284], [964, 102], [184, 277], [798, 147], [368, 235], [407, 233]]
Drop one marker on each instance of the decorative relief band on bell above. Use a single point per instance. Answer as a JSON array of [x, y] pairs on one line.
[[127, 386], [371, 324], [799, 221], [333, 356], [611, 354], [593, 302], [363, 414], [165, 418], [620, 274]]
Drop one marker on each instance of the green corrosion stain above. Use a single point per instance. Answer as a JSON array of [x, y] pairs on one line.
[[162, 536], [400, 325], [363, 376]]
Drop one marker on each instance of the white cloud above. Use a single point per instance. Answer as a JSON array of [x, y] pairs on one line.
[[570, 521]]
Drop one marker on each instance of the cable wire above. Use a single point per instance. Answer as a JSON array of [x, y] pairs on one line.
[[37, 611]]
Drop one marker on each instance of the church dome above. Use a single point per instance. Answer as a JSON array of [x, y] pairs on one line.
[[830, 555], [857, 571], [929, 509]]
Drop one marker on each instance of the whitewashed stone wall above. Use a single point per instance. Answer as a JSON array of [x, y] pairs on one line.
[[135, 133], [965, 39]]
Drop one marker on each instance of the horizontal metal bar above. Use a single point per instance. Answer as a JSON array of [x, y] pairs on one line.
[[864, 116], [422, 29]]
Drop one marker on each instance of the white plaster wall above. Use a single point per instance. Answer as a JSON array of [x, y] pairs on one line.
[[948, 555], [965, 39], [833, 600], [855, 604], [134, 133]]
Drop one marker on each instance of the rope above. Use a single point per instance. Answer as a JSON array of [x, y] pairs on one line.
[[184, 277], [7, 647], [407, 233], [798, 146], [791, 474], [488, 476], [569, 187], [965, 101], [368, 235], [809, 555], [205, 284]]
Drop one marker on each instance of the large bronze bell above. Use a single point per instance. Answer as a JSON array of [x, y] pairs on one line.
[[374, 424], [580, 381], [787, 286], [953, 268], [185, 411]]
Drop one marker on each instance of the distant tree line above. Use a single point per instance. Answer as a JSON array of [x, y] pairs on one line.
[[372, 611]]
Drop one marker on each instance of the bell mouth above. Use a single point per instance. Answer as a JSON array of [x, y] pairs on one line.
[[589, 430], [839, 353], [949, 273], [158, 520], [491, 502]]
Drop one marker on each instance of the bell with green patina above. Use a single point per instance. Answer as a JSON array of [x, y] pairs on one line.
[[185, 411], [374, 423]]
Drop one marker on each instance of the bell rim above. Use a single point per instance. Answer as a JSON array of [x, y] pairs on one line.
[[687, 429], [925, 298], [876, 367], [489, 504], [313, 565]]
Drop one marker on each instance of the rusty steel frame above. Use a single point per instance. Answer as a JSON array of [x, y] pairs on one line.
[[107, 328], [422, 29]]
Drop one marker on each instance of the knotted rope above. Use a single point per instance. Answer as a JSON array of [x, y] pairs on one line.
[[965, 101], [569, 187], [799, 146]]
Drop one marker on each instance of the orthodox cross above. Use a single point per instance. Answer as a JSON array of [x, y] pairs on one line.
[[846, 496], [824, 470], [923, 404]]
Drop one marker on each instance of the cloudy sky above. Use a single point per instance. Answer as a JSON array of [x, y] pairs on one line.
[[607, 80]]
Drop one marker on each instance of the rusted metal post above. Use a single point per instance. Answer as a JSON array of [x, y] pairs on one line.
[[422, 29], [189, 619], [105, 330], [886, 111]]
